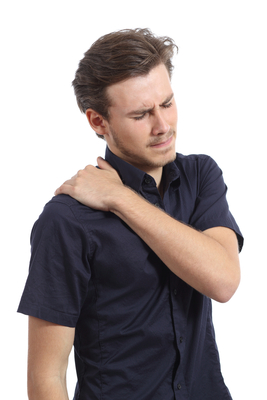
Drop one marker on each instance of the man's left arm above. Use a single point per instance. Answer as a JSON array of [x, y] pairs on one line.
[[208, 261]]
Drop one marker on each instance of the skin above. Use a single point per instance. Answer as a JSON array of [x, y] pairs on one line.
[[143, 120], [142, 131], [48, 353]]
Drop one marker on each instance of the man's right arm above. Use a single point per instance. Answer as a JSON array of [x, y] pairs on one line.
[[49, 348]]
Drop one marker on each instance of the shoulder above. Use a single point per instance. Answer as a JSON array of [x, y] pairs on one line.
[[60, 223], [58, 208], [193, 159], [197, 165], [61, 212], [63, 206], [62, 201]]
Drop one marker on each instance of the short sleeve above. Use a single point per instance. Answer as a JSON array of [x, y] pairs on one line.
[[211, 207], [59, 270]]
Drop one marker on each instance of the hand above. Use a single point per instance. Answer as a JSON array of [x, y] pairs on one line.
[[94, 187]]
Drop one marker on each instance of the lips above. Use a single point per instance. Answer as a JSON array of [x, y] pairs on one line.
[[163, 143]]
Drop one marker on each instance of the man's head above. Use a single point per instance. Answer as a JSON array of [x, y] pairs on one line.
[[117, 57]]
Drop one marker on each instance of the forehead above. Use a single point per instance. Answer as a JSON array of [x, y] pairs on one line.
[[148, 90]]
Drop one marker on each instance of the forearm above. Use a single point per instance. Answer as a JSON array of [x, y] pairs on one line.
[[207, 261], [43, 388], [49, 348], [195, 257]]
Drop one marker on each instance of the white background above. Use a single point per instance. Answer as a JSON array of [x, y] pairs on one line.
[[220, 86]]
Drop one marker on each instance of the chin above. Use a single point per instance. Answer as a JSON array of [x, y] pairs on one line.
[[163, 162], [169, 158]]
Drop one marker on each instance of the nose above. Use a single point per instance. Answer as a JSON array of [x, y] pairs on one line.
[[160, 126]]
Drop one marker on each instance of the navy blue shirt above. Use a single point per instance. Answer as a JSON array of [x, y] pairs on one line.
[[141, 332]]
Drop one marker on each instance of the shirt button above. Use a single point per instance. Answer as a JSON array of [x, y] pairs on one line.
[[157, 204], [147, 180], [175, 292], [181, 339], [179, 387]]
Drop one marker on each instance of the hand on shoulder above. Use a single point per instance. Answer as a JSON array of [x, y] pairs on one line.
[[94, 187]]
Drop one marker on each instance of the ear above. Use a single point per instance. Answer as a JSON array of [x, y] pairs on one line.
[[96, 121]]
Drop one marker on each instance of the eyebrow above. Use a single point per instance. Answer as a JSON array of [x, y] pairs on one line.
[[147, 110]]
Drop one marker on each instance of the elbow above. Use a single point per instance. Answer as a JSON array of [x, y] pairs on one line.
[[227, 288], [225, 296]]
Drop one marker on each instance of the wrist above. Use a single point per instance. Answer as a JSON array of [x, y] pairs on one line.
[[124, 198]]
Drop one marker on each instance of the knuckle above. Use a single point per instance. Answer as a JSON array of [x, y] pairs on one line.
[[80, 173], [88, 167]]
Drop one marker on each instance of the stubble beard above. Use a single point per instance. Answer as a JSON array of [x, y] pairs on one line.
[[139, 161]]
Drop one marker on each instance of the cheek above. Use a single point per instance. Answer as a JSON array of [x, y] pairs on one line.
[[138, 130]]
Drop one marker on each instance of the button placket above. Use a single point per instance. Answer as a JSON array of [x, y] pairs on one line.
[[148, 180], [150, 192], [176, 292]]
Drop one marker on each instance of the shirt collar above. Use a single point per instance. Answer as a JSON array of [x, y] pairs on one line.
[[130, 175], [134, 177]]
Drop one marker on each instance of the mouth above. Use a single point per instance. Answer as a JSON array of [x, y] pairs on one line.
[[164, 143]]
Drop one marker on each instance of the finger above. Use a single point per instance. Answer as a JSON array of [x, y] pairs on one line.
[[65, 188], [103, 164], [58, 191]]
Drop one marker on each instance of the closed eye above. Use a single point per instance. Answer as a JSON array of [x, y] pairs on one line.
[[167, 105], [143, 115], [140, 117]]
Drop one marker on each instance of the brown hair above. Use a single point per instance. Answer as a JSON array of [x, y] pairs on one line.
[[116, 57]]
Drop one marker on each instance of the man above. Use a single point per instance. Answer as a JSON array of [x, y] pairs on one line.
[[127, 264]]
